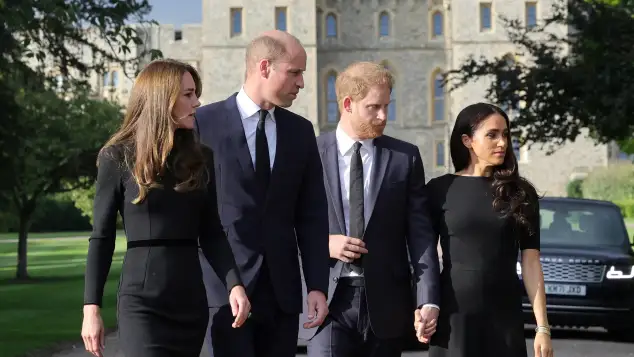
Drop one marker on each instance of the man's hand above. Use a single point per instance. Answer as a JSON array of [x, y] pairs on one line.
[[240, 305], [317, 309], [425, 321], [345, 248]]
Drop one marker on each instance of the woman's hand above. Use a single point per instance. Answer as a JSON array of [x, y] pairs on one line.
[[240, 305], [543, 345], [92, 330]]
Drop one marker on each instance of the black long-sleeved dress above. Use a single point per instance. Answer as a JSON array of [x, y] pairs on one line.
[[481, 306], [162, 306]]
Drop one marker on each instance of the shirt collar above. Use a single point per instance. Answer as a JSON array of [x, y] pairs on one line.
[[247, 107], [345, 142]]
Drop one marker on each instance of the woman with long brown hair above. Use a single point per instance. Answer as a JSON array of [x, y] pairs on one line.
[[160, 179], [485, 215]]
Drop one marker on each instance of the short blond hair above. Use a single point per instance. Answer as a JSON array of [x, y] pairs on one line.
[[357, 79]]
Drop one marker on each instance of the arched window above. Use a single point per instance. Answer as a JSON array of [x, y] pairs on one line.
[[332, 115], [384, 24], [437, 24], [331, 25], [438, 98]]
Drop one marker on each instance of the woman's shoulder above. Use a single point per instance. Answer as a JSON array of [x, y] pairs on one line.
[[113, 156]]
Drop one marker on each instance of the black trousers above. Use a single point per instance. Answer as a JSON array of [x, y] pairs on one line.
[[269, 332], [347, 331]]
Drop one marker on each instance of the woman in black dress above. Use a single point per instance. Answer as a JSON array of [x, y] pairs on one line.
[[156, 175], [485, 214]]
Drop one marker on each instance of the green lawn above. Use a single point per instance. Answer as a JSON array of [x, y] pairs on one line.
[[85, 234], [48, 310]]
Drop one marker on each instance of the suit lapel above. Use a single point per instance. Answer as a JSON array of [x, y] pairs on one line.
[[381, 160], [333, 183], [238, 140]]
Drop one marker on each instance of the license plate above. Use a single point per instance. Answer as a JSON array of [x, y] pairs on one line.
[[565, 289]]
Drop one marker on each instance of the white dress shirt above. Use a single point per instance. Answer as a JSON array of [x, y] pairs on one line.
[[250, 117], [344, 153]]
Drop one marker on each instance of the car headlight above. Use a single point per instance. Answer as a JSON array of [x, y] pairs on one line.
[[616, 272]]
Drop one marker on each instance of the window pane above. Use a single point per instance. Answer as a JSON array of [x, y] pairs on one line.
[[280, 18], [440, 153], [333, 112], [384, 23], [236, 21], [115, 78], [331, 26], [439, 109], [485, 16], [331, 93], [437, 23], [106, 79], [531, 15]]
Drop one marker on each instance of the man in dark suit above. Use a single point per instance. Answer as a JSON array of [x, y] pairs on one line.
[[378, 219], [271, 201]]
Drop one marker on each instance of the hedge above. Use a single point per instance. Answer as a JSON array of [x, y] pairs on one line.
[[612, 183]]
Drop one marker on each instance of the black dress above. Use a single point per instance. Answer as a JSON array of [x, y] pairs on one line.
[[162, 305], [481, 307]]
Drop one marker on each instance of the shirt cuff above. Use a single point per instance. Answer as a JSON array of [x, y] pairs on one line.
[[432, 305]]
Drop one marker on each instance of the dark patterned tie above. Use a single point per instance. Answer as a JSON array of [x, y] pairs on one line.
[[262, 160], [356, 213]]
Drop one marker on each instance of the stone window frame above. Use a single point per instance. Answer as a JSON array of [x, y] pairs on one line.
[[433, 10], [335, 14], [489, 4], [390, 24], [432, 98], [326, 73]]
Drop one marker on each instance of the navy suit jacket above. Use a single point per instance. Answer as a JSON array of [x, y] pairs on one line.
[[399, 235], [292, 214]]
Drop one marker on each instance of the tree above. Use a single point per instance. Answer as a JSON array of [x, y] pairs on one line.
[[57, 152], [58, 34], [583, 78]]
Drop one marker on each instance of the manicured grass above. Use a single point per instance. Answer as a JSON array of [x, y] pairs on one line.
[[47, 310], [72, 234]]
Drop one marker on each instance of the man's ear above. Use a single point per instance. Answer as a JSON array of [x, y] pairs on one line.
[[347, 104], [264, 67]]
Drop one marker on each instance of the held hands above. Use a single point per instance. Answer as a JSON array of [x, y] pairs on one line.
[[317, 309], [425, 321], [543, 345], [345, 248], [92, 330], [240, 305]]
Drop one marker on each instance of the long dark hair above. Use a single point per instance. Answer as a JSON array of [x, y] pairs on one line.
[[513, 195]]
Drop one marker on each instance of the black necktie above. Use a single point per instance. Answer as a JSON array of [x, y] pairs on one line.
[[262, 160], [356, 213]]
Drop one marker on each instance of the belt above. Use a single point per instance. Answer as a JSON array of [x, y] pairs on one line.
[[162, 243], [352, 281]]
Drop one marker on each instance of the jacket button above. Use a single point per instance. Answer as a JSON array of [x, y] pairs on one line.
[[335, 279]]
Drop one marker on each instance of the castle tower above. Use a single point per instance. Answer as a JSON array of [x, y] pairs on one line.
[[229, 25]]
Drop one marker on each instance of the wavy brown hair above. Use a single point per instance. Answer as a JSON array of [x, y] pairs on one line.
[[513, 195], [147, 134]]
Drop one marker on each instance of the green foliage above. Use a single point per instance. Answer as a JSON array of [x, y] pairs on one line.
[[627, 207], [566, 80], [83, 198], [574, 188], [59, 34], [612, 183]]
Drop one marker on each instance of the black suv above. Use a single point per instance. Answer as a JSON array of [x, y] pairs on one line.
[[588, 266]]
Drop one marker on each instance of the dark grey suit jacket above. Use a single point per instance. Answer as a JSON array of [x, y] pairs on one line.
[[292, 213], [398, 232]]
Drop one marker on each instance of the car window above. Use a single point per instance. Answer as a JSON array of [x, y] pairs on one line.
[[578, 223]]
